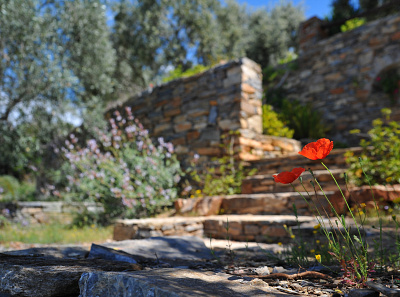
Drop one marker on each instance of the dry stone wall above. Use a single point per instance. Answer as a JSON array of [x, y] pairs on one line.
[[337, 74], [196, 113]]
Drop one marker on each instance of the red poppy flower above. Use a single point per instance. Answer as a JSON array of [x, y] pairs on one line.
[[317, 150], [287, 177]]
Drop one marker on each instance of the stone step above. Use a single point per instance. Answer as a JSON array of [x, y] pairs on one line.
[[259, 228], [335, 160], [256, 204], [265, 183]]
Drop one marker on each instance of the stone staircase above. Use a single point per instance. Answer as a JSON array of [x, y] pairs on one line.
[[263, 181], [263, 211]]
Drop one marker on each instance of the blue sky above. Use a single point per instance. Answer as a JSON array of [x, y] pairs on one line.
[[319, 8]]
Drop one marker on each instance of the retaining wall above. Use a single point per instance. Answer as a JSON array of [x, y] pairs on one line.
[[338, 74], [197, 113]]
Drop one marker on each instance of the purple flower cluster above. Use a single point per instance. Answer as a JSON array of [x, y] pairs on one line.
[[123, 169]]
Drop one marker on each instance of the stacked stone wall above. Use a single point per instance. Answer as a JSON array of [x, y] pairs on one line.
[[337, 74], [197, 113]]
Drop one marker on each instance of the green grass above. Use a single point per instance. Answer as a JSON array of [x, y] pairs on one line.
[[54, 233]]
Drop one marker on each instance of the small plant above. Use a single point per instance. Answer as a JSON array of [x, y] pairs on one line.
[[123, 170], [178, 72], [380, 155], [225, 178], [303, 119], [352, 24], [12, 190], [272, 125]]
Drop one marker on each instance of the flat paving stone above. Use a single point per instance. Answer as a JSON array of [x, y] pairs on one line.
[[189, 248], [172, 283]]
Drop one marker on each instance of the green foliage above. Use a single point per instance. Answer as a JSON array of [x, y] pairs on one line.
[[389, 83], [380, 156], [123, 170], [272, 125], [272, 34], [54, 233], [342, 9], [368, 4], [306, 122], [178, 73], [302, 119], [149, 35], [352, 24], [56, 69], [13, 190], [225, 178]]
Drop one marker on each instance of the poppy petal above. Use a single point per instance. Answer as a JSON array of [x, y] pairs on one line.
[[317, 150], [298, 171], [285, 177]]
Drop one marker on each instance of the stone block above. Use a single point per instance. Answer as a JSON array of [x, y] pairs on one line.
[[209, 206], [180, 118], [334, 76], [178, 141], [172, 112], [395, 36], [336, 91], [229, 124], [197, 112], [249, 73], [248, 156], [250, 142], [275, 231], [362, 94], [243, 123], [192, 135], [233, 79], [248, 108], [161, 127], [255, 123], [208, 151], [182, 127], [180, 149], [316, 88], [251, 229], [284, 145], [210, 134], [248, 88], [123, 231]]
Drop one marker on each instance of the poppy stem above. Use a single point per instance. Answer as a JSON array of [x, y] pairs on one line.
[[348, 206]]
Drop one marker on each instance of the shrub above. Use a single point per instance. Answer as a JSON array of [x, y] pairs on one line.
[[123, 170], [381, 154], [306, 122], [272, 125], [302, 119], [352, 24], [12, 190]]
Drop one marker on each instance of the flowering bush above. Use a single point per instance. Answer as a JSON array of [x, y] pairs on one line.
[[123, 170]]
